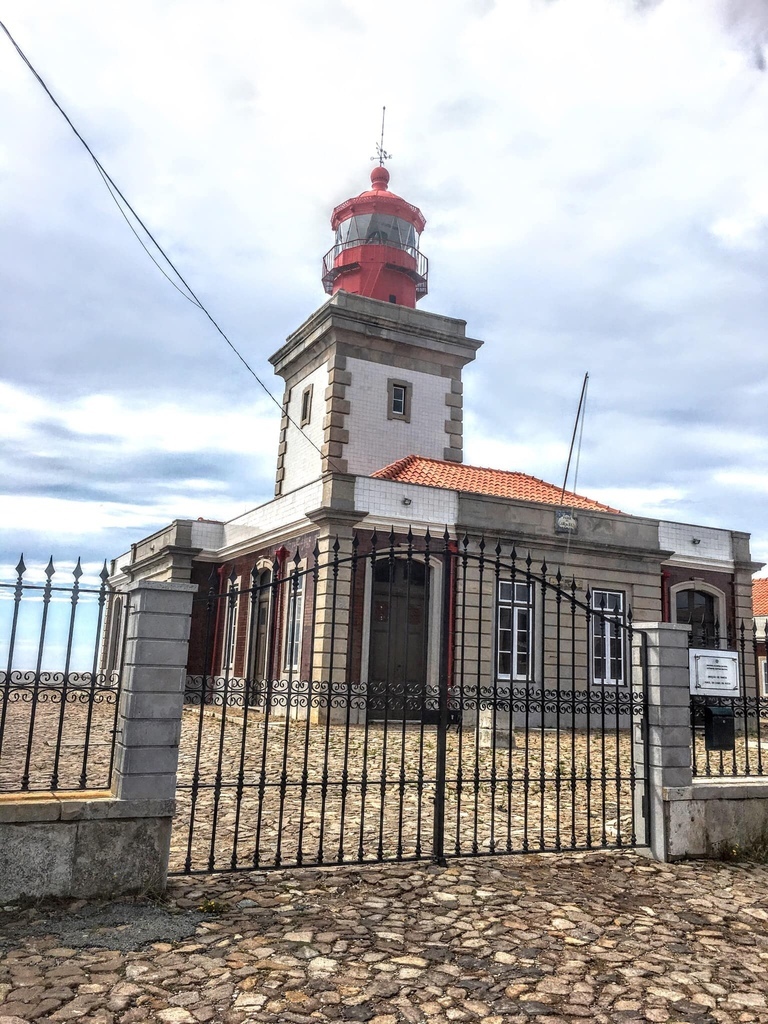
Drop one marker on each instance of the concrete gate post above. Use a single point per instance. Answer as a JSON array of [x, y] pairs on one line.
[[668, 722]]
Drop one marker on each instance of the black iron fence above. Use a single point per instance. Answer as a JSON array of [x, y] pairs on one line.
[[407, 699], [60, 684], [730, 730]]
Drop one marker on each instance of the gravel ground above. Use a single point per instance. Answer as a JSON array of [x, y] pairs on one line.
[[550, 938]]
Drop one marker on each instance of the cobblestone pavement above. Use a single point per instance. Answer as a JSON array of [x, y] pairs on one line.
[[547, 938]]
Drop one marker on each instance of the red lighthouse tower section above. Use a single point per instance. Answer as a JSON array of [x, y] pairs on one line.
[[376, 252]]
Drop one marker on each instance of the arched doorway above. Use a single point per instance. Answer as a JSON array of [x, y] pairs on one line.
[[697, 609], [397, 667]]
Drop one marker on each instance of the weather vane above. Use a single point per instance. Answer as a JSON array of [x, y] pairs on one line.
[[381, 153]]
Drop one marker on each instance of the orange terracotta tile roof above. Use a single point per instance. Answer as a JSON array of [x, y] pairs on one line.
[[500, 483], [760, 596]]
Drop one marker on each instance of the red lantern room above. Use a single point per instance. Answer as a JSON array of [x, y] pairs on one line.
[[376, 252]]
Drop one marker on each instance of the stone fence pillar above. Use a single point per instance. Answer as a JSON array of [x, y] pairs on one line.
[[149, 722], [668, 722]]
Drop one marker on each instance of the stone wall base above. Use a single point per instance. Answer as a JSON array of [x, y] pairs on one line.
[[715, 818], [77, 847]]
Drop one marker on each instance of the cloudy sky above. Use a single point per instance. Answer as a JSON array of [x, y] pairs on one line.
[[594, 174]]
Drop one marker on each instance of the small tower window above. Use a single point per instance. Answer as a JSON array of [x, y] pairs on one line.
[[399, 400], [306, 406]]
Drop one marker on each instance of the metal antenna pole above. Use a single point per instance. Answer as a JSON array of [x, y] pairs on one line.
[[573, 438], [381, 153]]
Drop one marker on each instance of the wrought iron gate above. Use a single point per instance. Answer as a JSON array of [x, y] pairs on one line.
[[403, 700]]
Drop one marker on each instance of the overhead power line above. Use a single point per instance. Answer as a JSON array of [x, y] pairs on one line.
[[122, 204]]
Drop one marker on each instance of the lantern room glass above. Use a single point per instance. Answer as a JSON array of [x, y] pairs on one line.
[[377, 229]]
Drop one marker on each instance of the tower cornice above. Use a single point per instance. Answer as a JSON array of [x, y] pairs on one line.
[[369, 322]]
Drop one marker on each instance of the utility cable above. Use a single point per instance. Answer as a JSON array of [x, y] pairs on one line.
[[139, 239], [188, 292]]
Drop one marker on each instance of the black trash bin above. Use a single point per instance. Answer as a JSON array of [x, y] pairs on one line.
[[719, 729]]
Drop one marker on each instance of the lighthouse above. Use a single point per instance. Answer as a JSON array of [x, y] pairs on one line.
[[376, 248], [369, 378]]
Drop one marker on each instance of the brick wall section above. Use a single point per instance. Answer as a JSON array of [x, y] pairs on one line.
[[264, 559], [200, 648]]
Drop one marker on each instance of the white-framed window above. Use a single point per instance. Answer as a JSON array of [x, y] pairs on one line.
[[762, 671], [399, 400], [293, 622], [229, 646], [608, 654], [514, 633]]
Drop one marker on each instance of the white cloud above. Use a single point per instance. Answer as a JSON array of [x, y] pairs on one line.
[[744, 480], [121, 425], [655, 502], [593, 177]]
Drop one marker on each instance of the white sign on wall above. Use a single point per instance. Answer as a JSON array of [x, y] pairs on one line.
[[714, 673]]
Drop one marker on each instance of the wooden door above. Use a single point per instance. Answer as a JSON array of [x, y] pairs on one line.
[[398, 648]]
